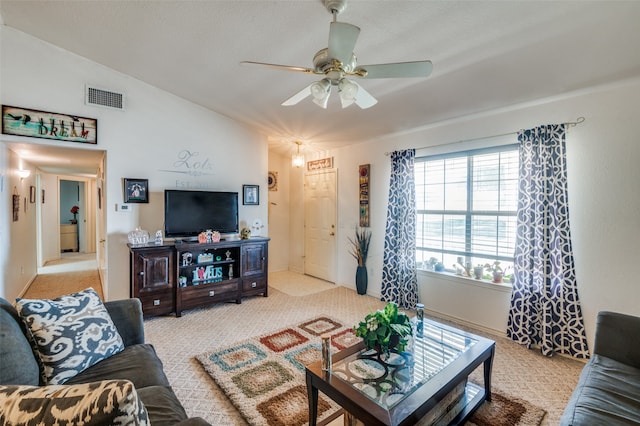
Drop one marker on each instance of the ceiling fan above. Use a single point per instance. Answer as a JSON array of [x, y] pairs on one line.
[[338, 61]]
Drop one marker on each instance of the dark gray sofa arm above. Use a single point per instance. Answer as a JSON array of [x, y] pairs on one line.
[[127, 316], [618, 337], [194, 421]]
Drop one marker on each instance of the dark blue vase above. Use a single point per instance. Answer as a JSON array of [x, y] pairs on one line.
[[361, 279]]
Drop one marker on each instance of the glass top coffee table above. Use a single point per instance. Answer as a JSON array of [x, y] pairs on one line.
[[429, 379]]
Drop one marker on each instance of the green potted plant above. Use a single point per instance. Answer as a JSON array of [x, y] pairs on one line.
[[360, 250], [477, 271], [496, 271], [385, 330]]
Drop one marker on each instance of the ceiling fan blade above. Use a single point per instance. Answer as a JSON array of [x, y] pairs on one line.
[[279, 67], [363, 98], [298, 96], [397, 70], [342, 40]]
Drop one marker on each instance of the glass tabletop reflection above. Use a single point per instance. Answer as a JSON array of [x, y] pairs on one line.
[[388, 379]]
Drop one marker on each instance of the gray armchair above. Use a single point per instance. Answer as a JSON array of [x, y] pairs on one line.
[[608, 390]]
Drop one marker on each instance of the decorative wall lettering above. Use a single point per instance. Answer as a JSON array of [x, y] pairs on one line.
[[191, 163], [48, 125]]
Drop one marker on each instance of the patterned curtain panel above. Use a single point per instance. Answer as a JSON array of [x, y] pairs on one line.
[[545, 310], [399, 277]]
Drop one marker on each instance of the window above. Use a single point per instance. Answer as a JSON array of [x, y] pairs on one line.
[[466, 206]]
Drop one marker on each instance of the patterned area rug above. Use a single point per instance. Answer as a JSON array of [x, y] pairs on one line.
[[503, 411], [264, 378]]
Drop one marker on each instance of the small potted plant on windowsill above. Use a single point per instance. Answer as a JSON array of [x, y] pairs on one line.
[[477, 271], [496, 271]]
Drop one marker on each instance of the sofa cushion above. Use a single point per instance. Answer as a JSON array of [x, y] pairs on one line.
[[113, 402], [70, 333], [163, 405], [18, 365], [608, 393], [137, 363]]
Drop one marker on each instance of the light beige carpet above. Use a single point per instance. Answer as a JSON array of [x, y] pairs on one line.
[[517, 371]]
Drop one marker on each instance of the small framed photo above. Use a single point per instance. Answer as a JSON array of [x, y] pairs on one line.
[[136, 190], [251, 195]]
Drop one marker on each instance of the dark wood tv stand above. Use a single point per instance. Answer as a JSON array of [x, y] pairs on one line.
[[179, 276]]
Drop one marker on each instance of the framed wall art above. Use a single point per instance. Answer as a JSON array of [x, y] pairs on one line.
[[272, 179], [250, 195], [32, 194], [364, 173], [136, 190], [48, 125]]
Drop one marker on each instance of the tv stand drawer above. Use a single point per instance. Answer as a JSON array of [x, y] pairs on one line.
[[200, 295]]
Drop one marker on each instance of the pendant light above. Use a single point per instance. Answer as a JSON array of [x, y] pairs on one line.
[[297, 159]]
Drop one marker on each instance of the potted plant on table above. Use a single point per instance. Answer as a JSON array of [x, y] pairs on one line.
[[385, 330], [360, 250]]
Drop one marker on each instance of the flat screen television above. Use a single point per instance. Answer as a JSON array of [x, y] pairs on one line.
[[187, 213]]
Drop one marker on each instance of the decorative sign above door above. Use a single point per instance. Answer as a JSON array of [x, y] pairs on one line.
[[323, 163], [48, 125]]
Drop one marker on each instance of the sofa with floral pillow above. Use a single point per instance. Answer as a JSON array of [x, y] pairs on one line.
[[77, 360]]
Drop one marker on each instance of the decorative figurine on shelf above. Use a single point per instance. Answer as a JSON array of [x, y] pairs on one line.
[[230, 271], [245, 233], [186, 259], [228, 254], [215, 236], [182, 281], [202, 237], [159, 237]]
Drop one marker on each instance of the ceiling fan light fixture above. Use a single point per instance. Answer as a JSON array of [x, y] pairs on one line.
[[320, 91], [348, 91]]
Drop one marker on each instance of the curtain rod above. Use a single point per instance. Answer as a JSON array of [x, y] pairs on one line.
[[579, 120]]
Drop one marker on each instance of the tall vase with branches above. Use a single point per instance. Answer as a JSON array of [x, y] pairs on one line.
[[360, 250]]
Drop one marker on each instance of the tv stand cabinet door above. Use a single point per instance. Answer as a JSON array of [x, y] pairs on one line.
[[153, 279], [254, 263]]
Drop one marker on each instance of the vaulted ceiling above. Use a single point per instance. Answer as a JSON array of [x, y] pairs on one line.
[[485, 54]]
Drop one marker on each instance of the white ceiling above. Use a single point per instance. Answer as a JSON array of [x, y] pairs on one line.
[[485, 54]]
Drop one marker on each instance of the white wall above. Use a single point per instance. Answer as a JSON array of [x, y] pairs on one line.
[[18, 254], [603, 155], [147, 140], [279, 214]]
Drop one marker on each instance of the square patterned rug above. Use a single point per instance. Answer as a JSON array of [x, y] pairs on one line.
[[264, 376]]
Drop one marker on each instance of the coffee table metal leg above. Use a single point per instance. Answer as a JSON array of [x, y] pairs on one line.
[[487, 375], [312, 395]]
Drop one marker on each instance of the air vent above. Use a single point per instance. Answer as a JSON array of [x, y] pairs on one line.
[[104, 98]]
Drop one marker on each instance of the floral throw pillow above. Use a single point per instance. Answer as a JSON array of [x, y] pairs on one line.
[[70, 333], [110, 402]]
